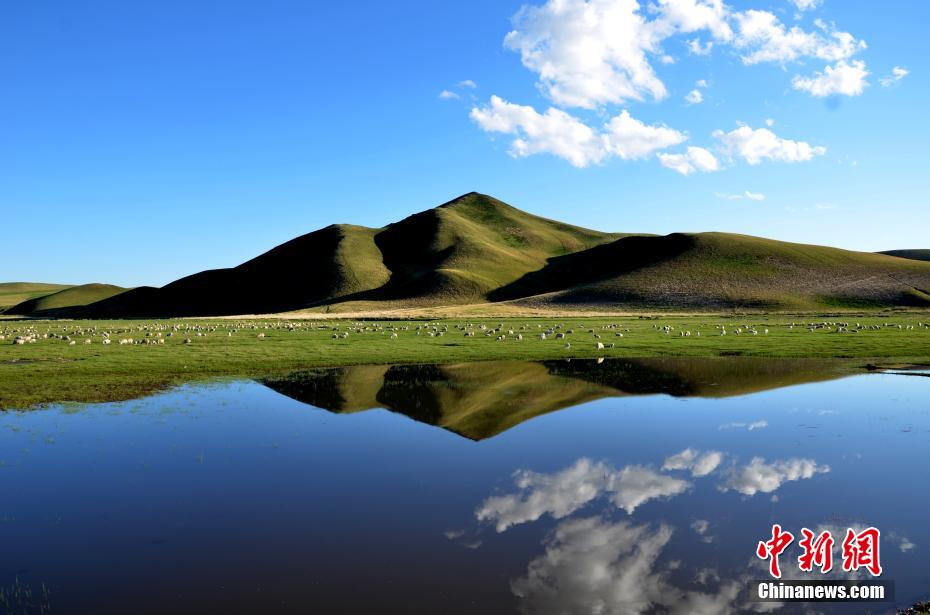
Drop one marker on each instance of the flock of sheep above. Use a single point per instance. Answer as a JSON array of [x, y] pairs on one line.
[[20, 332]]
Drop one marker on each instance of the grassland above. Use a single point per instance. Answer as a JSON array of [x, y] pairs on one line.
[[53, 369]]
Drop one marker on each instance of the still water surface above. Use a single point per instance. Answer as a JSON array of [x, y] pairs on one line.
[[553, 487]]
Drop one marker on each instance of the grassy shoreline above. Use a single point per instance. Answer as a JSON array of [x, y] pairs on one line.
[[52, 370]]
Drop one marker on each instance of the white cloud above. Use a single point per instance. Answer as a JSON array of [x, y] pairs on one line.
[[752, 196], [805, 5], [700, 83], [666, 59], [694, 159], [554, 132], [761, 477], [846, 78], [467, 83], [561, 493], [630, 138], [694, 97], [695, 47], [447, 95], [587, 53], [763, 38], [755, 196], [559, 133], [769, 122], [691, 459], [756, 145], [897, 74]]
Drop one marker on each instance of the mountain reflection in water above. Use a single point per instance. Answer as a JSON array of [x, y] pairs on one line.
[[482, 399]]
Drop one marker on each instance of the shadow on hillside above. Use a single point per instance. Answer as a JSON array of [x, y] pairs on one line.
[[595, 264]]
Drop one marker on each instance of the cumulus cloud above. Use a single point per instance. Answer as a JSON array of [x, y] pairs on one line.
[[467, 83], [562, 134], [589, 53], [561, 493], [629, 138], [448, 95], [694, 159], [694, 97], [756, 145], [761, 477], [555, 132], [700, 464], [695, 47], [846, 78], [897, 74], [764, 38]]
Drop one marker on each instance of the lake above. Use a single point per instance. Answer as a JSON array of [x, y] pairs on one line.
[[583, 486]]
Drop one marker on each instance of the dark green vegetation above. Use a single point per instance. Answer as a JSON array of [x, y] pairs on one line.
[[70, 361], [478, 251], [56, 302], [917, 255], [12, 293], [482, 399]]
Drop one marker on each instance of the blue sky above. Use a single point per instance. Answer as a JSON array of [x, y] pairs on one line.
[[144, 141]]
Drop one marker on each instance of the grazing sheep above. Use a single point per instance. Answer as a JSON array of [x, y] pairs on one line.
[[599, 346]]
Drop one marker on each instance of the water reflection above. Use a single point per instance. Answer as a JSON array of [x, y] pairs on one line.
[[482, 399], [234, 498]]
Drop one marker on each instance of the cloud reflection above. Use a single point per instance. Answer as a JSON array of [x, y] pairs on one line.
[[761, 477], [564, 492]]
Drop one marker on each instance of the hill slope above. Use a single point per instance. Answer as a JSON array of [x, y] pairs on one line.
[[917, 255], [724, 271], [67, 298], [13, 293]]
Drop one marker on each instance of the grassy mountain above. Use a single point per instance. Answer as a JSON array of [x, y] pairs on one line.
[[724, 271], [69, 297], [465, 249], [476, 249], [917, 255], [13, 293], [456, 253]]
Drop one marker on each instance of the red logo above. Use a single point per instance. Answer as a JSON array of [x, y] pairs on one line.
[[860, 550]]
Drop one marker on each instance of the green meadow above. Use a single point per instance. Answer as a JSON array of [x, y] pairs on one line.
[[70, 361]]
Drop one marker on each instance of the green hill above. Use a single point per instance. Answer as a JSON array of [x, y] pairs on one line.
[[917, 255], [67, 298], [724, 271], [456, 253], [13, 293], [476, 249]]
